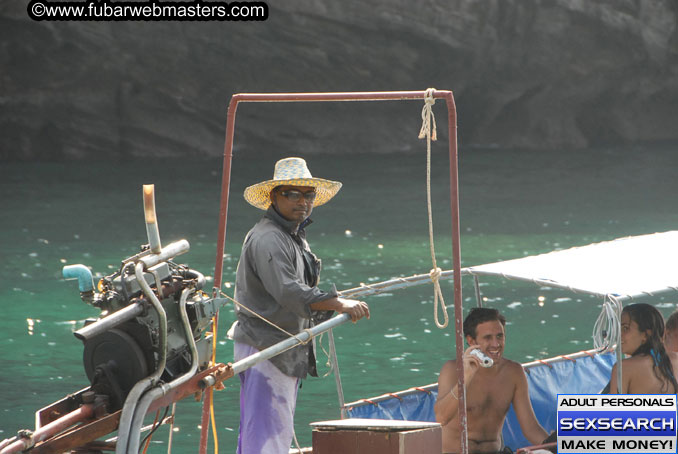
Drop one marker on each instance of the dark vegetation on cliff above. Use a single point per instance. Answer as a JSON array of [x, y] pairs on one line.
[[534, 74]]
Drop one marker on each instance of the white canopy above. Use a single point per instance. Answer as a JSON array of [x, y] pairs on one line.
[[625, 268]]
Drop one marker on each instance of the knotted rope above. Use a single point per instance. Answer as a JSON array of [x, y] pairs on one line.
[[427, 117], [428, 131]]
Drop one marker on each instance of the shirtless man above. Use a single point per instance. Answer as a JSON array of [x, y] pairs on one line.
[[489, 390]]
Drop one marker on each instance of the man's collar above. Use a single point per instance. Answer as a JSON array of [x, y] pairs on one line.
[[289, 226], [305, 223]]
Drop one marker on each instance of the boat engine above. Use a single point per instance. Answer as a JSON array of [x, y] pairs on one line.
[[154, 314]]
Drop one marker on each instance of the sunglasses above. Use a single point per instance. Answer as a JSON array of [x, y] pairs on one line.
[[294, 195]]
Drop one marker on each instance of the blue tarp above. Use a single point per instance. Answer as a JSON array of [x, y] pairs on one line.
[[413, 407], [585, 375]]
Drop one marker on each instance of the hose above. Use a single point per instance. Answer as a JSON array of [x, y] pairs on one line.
[[198, 276], [82, 273], [122, 281], [129, 409], [148, 398]]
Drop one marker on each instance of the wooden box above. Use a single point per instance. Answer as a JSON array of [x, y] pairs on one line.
[[376, 436]]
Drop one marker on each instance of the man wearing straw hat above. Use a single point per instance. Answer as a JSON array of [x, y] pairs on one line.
[[277, 294]]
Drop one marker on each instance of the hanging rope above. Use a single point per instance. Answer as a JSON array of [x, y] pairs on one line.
[[606, 331], [296, 442], [427, 117], [213, 361], [428, 131], [214, 422]]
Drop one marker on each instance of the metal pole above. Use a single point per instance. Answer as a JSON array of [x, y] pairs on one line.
[[116, 318], [288, 343], [168, 252], [338, 96], [479, 299], [219, 265], [83, 413], [456, 265], [337, 375]]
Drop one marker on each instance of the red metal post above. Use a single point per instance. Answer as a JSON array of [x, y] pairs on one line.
[[456, 265], [355, 96], [83, 413], [219, 266]]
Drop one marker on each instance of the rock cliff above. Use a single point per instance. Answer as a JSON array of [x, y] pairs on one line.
[[538, 74]]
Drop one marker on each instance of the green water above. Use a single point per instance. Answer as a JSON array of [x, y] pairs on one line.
[[513, 203]]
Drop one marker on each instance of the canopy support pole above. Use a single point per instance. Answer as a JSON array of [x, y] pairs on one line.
[[337, 375], [479, 299], [456, 265]]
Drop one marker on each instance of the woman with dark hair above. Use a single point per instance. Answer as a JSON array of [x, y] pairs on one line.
[[650, 369]]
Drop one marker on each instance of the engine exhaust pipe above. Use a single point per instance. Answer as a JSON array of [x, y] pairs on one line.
[[151, 219]]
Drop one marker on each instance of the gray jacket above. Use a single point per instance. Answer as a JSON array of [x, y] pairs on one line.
[[274, 280]]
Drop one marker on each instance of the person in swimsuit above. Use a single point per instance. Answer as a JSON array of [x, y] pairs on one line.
[[489, 390], [651, 369]]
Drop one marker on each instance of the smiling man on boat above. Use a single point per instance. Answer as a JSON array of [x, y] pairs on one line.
[[276, 288], [490, 389]]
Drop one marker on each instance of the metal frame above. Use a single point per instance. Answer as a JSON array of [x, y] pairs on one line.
[[454, 204]]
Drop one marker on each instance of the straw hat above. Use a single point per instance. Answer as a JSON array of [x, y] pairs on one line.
[[291, 172]]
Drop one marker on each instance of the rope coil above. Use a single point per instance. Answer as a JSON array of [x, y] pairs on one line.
[[607, 331], [428, 131]]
